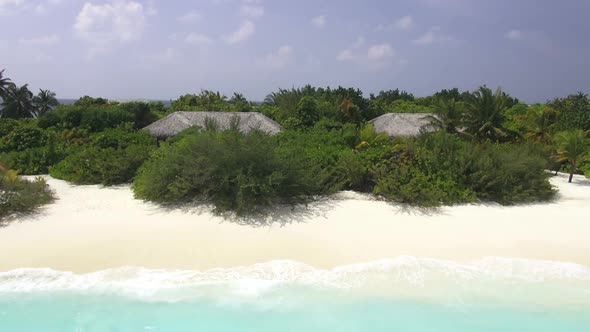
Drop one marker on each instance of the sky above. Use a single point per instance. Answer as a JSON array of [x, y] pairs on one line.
[[160, 49]]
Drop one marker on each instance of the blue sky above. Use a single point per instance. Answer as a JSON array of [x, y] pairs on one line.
[[534, 49]]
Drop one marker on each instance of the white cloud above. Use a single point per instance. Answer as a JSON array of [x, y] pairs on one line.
[[425, 39], [246, 29], [514, 35], [380, 52], [319, 21], [44, 40], [7, 5], [253, 11], [405, 23], [432, 36], [188, 18], [197, 39], [375, 56], [346, 55], [284, 56], [109, 23]]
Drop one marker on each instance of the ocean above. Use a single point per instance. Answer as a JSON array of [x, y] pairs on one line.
[[402, 294]]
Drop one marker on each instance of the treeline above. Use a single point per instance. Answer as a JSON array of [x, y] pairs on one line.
[[486, 146]]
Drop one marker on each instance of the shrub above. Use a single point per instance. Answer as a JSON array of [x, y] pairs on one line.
[[440, 169], [7, 126], [509, 174], [112, 157], [22, 138], [21, 196], [243, 173]]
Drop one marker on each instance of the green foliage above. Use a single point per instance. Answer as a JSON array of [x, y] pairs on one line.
[[573, 147], [7, 126], [573, 112], [87, 101], [21, 196], [22, 138], [485, 115], [206, 101], [404, 106], [441, 169], [112, 157], [98, 118], [509, 174], [307, 112], [233, 171]]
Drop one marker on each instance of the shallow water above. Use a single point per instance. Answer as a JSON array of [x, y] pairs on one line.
[[404, 294]]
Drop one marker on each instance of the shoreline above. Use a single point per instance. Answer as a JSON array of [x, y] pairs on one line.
[[90, 228]]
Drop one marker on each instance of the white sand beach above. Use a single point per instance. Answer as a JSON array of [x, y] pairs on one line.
[[90, 228]]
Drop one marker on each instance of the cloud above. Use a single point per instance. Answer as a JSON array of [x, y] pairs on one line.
[[188, 18], [346, 55], [44, 40], [514, 35], [197, 39], [246, 29], [115, 22], [282, 57], [405, 23], [425, 39], [167, 56], [432, 36], [319, 21], [7, 5], [253, 11], [380, 52], [375, 56]]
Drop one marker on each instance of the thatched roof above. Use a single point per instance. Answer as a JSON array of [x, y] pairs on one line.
[[179, 121], [401, 124]]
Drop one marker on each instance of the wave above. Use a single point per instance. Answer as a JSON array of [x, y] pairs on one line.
[[494, 277]]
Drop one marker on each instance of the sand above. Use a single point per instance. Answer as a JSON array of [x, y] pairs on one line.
[[90, 228]]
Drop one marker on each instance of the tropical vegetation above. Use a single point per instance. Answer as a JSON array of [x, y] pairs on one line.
[[483, 145]]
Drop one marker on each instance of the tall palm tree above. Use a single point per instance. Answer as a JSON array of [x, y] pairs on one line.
[[18, 103], [5, 84], [44, 101], [485, 115], [446, 116], [573, 146]]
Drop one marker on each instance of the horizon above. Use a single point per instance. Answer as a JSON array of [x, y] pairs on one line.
[[144, 49]]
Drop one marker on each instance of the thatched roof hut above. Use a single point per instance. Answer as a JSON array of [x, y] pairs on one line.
[[179, 121], [402, 124]]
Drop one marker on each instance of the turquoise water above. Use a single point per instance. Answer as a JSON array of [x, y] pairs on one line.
[[404, 294]]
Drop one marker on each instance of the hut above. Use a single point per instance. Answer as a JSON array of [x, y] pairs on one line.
[[179, 121], [402, 124]]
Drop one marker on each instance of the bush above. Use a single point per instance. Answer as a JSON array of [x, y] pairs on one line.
[[21, 196], [7, 126], [509, 174], [243, 173], [22, 138], [440, 169], [112, 157]]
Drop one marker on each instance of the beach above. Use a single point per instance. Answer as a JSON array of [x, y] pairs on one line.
[[92, 228]]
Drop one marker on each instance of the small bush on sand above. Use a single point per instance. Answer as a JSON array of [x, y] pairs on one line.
[[21, 196]]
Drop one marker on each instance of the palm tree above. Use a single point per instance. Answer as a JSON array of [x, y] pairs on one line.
[[540, 123], [485, 115], [446, 116], [573, 146], [44, 101], [5, 84], [18, 103]]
